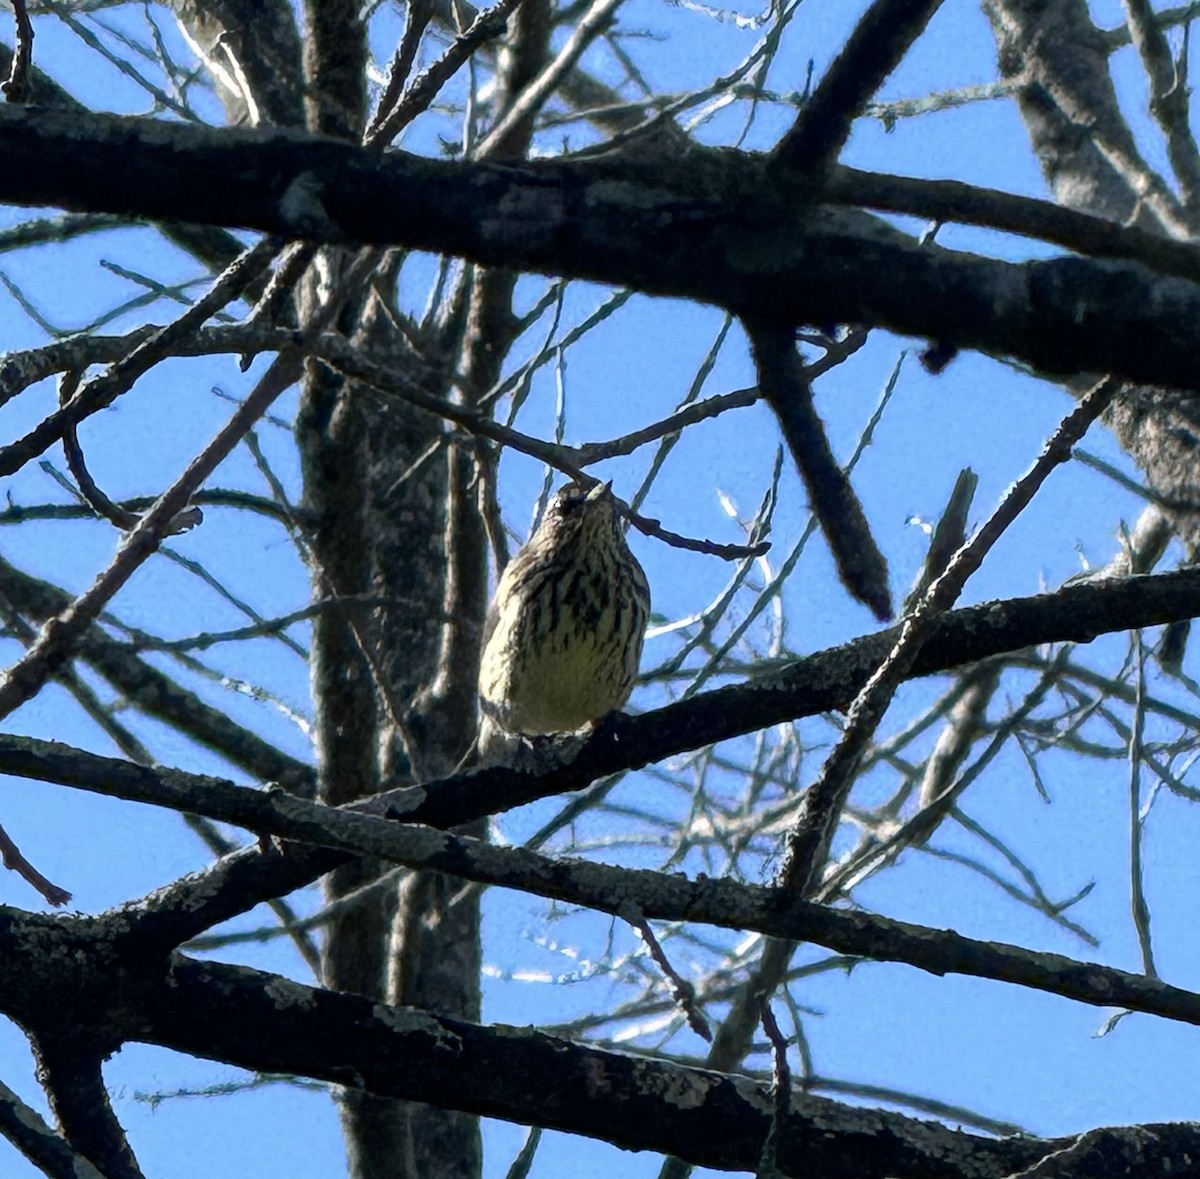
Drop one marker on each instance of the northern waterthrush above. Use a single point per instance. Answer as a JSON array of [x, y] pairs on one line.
[[563, 638]]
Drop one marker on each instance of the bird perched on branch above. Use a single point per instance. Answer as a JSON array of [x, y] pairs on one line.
[[563, 637]]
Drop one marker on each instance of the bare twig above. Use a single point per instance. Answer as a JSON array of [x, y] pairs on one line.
[[1137, 820], [488, 24], [699, 411], [218, 497], [101, 391], [781, 1094], [1169, 94], [1168, 18], [824, 800], [858, 866], [682, 991], [963, 726], [104, 507], [268, 627], [58, 637], [19, 370], [524, 1161], [419, 14], [949, 535], [533, 97], [562, 458], [293, 262], [14, 861]]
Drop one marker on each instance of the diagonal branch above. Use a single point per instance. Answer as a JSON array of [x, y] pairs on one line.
[[879, 41], [651, 895], [1169, 95], [68, 1066], [822, 806], [784, 385], [61, 635], [819, 683], [27, 1130]]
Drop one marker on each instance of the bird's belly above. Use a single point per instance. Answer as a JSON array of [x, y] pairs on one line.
[[564, 689]]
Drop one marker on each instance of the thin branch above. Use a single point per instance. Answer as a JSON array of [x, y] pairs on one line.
[[1169, 95], [101, 391], [59, 636], [949, 534], [699, 411], [14, 861], [533, 97], [1031, 217], [823, 802], [347, 360], [781, 1095], [682, 991], [1119, 37], [488, 24], [92, 495], [875, 48], [1139, 909], [19, 370], [418, 15], [217, 497]]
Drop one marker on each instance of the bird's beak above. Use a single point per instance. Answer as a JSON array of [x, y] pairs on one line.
[[598, 492]]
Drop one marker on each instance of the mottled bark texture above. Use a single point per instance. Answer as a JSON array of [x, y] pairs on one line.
[[377, 489], [1090, 159], [395, 688]]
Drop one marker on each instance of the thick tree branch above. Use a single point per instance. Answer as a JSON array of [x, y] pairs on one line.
[[708, 227], [776, 912], [829, 680], [266, 1023], [820, 682]]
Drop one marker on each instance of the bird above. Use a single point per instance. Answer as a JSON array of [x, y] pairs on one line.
[[563, 637]]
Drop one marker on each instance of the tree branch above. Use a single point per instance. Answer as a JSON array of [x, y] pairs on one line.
[[709, 227], [68, 1066], [875, 48], [1077, 613], [263, 1022], [27, 1130]]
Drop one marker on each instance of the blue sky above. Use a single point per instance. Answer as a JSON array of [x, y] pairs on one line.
[[1007, 1053]]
